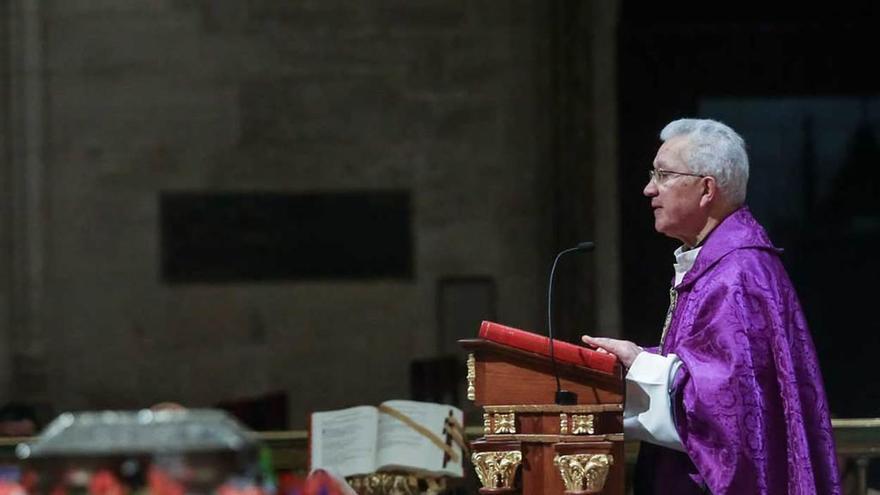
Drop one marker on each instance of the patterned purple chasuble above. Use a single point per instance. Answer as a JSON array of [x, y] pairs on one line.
[[749, 403]]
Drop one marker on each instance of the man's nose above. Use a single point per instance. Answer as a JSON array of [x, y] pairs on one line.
[[650, 189]]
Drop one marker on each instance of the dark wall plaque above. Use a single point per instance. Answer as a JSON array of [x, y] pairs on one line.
[[264, 236]]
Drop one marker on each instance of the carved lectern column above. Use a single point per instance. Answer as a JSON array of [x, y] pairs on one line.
[[532, 445]]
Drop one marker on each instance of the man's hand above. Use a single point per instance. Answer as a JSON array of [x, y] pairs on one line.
[[625, 350]]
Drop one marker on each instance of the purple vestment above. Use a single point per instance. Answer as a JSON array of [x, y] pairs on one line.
[[749, 403]]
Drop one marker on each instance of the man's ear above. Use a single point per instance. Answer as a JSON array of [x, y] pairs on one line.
[[710, 191]]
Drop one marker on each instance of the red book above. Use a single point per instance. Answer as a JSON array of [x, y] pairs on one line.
[[539, 344]]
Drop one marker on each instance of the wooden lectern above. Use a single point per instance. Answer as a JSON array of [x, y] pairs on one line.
[[532, 445]]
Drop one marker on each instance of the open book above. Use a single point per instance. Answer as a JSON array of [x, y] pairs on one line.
[[399, 435]]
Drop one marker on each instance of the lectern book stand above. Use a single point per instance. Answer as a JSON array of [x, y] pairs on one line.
[[533, 446]]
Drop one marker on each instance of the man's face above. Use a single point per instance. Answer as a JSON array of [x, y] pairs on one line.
[[675, 199]]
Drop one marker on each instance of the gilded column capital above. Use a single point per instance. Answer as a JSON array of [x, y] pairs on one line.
[[497, 469], [584, 473]]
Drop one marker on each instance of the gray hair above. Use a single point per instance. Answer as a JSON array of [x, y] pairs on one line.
[[715, 149]]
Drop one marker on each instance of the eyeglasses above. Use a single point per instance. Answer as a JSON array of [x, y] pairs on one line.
[[659, 176]]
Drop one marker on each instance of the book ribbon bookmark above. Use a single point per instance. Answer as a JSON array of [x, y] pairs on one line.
[[455, 430], [430, 435]]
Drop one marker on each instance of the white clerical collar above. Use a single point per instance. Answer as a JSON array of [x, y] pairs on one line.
[[684, 260]]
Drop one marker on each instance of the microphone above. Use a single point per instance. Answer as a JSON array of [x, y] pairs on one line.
[[563, 397]]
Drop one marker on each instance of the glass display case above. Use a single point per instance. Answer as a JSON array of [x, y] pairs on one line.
[[195, 451]]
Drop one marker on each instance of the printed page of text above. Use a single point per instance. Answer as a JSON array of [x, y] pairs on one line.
[[345, 440]]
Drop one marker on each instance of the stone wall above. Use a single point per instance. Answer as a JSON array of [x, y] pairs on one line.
[[445, 99]]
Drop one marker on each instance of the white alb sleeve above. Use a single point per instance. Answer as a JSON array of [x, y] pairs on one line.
[[647, 415]]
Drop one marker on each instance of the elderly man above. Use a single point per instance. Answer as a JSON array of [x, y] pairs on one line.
[[732, 401]]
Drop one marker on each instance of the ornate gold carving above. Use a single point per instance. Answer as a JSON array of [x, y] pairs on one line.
[[582, 424], [436, 486], [584, 473], [471, 376], [497, 469], [504, 423], [385, 484], [563, 424], [487, 424]]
